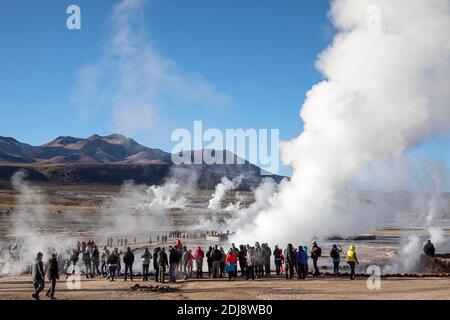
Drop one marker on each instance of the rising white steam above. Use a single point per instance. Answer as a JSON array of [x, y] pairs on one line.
[[143, 208], [28, 233], [221, 190], [234, 206], [387, 75]]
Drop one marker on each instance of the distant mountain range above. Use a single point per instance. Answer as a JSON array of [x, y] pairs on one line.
[[108, 159]]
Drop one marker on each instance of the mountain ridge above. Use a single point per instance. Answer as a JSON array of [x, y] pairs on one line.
[[112, 159]]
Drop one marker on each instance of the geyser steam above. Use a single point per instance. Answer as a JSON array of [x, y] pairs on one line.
[[387, 74]]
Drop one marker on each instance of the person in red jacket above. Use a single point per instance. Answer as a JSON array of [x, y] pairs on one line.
[[231, 264], [198, 256]]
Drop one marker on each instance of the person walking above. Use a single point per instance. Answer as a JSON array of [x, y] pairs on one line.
[[37, 274], [335, 255], [145, 259], [53, 275], [128, 259], [352, 261]]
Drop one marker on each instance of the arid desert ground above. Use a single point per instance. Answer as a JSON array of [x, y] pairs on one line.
[[81, 212]]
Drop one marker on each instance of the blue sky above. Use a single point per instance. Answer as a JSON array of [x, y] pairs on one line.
[[260, 55]]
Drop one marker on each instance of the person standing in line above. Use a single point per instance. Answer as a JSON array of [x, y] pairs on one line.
[[104, 258], [316, 252], [209, 260], [267, 252], [242, 257], [128, 259], [145, 259], [198, 256], [335, 255], [174, 260], [216, 260], [302, 262], [95, 261], [251, 263], [155, 262], [289, 260], [86, 258], [277, 253], [162, 264], [231, 264], [112, 261], [222, 262]]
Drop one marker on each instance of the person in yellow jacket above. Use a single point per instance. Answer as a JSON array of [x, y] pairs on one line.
[[352, 261]]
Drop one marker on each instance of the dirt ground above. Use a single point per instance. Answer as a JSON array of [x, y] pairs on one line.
[[20, 288]]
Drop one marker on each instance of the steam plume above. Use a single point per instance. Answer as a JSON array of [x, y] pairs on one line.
[[387, 75]]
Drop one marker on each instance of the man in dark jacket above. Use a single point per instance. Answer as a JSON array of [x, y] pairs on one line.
[[128, 259], [289, 260], [174, 260], [242, 254], [53, 275], [162, 264], [429, 249], [216, 259], [316, 252], [155, 262], [209, 260], [37, 273]]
